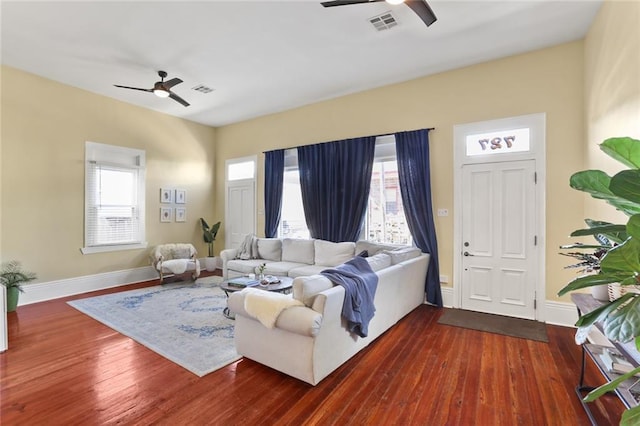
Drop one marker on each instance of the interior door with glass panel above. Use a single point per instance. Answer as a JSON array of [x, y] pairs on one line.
[[240, 217], [498, 234]]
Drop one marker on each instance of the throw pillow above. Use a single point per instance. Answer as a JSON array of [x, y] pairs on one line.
[[402, 254], [270, 249], [181, 253], [297, 250], [333, 254], [379, 261]]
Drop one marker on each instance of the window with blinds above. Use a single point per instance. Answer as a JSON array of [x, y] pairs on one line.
[[114, 198]]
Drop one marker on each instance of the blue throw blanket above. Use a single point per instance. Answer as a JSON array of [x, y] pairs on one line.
[[360, 284]]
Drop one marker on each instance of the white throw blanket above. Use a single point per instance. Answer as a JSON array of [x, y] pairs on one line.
[[176, 266], [266, 306]]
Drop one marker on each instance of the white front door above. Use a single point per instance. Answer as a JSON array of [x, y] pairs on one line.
[[499, 238], [241, 211]]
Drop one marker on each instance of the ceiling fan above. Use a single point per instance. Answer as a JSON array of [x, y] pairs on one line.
[[162, 88], [420, 7]]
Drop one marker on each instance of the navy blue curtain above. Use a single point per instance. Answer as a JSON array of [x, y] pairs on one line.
[[334, 181], [412, 151], [273, 182]]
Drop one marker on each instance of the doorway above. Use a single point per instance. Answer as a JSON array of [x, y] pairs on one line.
[[240, 199], [499, 216]]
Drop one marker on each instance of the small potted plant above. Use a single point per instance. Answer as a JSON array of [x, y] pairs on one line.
[[260, 270], [209, 236], [12, 277]]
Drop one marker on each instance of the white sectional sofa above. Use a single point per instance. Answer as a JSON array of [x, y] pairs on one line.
[[295, 257], [308, 342]]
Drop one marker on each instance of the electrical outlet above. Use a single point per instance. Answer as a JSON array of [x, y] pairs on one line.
[[444, 279], [443, 212]]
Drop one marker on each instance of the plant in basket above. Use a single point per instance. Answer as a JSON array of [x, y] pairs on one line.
[[620, 264]]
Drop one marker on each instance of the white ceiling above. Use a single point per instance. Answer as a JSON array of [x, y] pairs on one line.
[[263, 57]]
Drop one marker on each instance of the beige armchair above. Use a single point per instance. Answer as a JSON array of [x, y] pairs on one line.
[[175, 259]]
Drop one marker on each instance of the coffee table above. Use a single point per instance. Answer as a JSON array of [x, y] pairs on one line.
[[284, 286]]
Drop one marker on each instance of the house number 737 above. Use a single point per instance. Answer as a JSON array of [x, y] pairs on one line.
[[497, 143]]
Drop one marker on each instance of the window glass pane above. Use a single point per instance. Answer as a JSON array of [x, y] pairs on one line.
[[116, 187], [385, 220], [292, 221], [115, 208], [493, 143], [243, 170]]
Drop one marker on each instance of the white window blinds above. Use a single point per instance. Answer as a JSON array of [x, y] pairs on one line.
[[114, 198]]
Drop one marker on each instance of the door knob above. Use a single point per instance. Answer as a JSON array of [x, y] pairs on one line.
[[466, 253]]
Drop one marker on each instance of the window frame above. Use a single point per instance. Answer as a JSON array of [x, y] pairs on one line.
[[120, 158]]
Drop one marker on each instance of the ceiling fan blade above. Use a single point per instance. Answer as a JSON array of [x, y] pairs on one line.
[[423, 10], [347, 2], [134, 88], [178, 99], [170, 83]]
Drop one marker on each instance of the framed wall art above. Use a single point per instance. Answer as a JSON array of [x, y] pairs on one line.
[[166, 214], [181, 214], [181, 196], [166, 195]]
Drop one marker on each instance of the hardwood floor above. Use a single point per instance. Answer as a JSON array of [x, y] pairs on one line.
[[63, 367]]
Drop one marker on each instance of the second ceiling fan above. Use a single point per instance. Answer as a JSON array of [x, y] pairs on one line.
[[420, 7], [161, 89]]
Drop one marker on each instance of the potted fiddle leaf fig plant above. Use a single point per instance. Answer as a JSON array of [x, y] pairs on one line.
[[12, 276], [620, 265], [209, 235]]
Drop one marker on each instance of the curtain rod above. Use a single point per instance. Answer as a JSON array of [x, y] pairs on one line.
[[391, 134], [376, 136]]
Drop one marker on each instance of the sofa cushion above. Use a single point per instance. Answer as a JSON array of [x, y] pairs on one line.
[[379, 261], [305, 289], [306, 270], [270, 249], [402, 254], [297, 250], [374, 248], [328, 253], [246, 266], [281, 268]]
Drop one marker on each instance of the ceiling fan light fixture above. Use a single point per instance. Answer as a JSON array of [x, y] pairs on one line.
[[161, 93], [395, 1]]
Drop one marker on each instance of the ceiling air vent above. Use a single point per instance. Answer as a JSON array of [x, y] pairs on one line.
[[383, 21], [202, 88]]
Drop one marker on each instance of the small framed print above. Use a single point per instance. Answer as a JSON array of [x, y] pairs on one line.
[[166, 214], [181, 214], [166, 195], [181, 196]]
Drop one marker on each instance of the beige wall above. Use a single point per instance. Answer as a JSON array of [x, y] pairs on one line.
[[612, 89], [44, 128], [548, 81], [45, 124]]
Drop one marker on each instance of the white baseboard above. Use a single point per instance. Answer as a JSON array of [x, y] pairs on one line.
[[556, 313], [447, 297], [40, 292], [561, 313]]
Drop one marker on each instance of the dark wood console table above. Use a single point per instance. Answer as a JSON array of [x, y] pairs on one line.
[[586, 303]]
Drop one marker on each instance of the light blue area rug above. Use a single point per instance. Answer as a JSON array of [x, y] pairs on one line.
[[181, 321]]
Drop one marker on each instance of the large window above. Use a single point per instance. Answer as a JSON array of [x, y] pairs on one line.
[[384, 221], [114, 198]]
